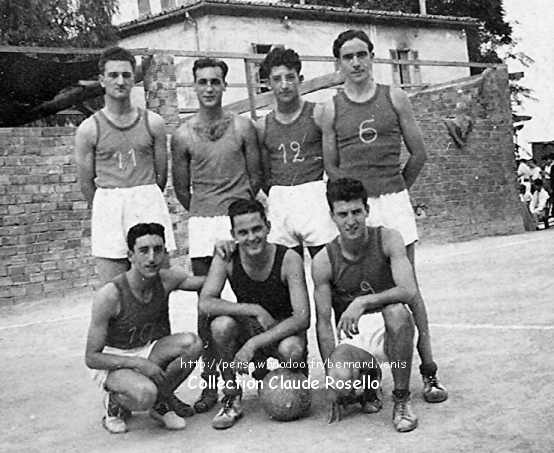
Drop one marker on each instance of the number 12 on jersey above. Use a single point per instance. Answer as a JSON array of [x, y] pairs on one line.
[[295, 149]]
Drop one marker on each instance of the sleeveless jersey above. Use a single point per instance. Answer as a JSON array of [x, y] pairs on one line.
[[272, 294], [368, 141], [138, 323], [369, 274], [124, 156], [218, 172], [294, 149]]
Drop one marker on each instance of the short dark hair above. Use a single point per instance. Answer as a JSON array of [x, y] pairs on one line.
[[210, 63], [115, 54], [538, 182], [347, 36], [245, 206], [279, 56], [345, 189], [143, 229]]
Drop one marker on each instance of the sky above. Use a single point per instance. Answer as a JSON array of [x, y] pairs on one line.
[[532, 22]]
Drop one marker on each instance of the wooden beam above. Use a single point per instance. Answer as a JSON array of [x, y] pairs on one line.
[[250, 80], [240, 56], [309, 86]]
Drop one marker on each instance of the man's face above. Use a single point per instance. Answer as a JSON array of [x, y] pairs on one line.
[[349, 216], [209, 86], [148, 255], [356, 61], [285, 83], [250, 231], [118, 79]]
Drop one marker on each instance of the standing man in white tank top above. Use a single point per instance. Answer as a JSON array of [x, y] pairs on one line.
[[290, 140], [363, 127], [121, 159]]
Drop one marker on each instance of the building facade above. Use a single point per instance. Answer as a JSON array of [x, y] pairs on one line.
[[231, 26]]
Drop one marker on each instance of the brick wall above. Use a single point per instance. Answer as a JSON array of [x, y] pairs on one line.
[[468, 191], [44, 220], [45, 223]]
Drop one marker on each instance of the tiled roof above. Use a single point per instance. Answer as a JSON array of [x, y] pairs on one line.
[[268, 9]]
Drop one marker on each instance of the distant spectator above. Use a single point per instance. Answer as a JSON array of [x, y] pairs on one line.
[[535, 170], [524, 194], [539, 202], [546, 173]]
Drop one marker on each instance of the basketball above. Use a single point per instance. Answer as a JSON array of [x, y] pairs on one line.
[[285, 394]]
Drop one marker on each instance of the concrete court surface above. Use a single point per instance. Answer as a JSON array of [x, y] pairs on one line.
[[490, 306]]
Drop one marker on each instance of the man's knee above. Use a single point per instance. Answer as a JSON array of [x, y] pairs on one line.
[[398, 320], [293, 349], [223, 328], [190, 344], [142, 395]]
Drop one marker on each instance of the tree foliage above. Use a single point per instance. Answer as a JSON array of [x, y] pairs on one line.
[[57, 23]]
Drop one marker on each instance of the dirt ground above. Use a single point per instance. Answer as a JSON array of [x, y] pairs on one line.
[[490, 308]]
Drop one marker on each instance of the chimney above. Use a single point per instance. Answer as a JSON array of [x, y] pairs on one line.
[[422, 7]]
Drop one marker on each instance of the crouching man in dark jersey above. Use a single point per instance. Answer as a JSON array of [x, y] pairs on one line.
[[133, 356], [366, 278], [272, 314]]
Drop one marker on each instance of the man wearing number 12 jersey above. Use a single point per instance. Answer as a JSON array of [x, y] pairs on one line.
[[290, 138]]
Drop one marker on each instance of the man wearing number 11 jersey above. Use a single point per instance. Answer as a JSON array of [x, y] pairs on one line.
[[290, 138]]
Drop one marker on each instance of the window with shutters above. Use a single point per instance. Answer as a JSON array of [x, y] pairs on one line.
[[405, 74]]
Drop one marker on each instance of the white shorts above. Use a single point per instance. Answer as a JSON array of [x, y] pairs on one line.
[[299, 215], [100, 376], [114, 211], [371, 337], [394, 210], [204, 232]]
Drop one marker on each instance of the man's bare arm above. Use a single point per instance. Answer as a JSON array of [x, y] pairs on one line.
[[181, 166], [321, 275], [85, 142], [210, 302], [264, 156], [251, 152], [177, 278], [325, 119], [413, 138], [157, 126]]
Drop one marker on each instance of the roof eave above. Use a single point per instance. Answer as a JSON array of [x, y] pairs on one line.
[[309, 12]]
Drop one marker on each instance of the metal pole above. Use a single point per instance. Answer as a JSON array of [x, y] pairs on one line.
[[422, 7]]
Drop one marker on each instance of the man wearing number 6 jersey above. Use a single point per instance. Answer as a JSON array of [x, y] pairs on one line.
[[290, 138], [363, 128]]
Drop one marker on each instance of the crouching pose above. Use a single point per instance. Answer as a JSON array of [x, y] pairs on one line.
[[364, 275], [272, 313], [135, 359]]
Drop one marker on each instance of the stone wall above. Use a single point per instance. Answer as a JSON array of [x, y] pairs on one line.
[[44, 219]]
